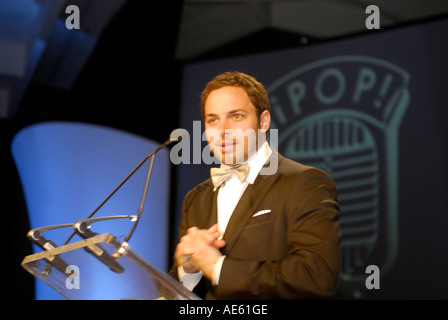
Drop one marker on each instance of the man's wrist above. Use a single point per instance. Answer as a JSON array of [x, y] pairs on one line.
[[217, 270], [189, 280]]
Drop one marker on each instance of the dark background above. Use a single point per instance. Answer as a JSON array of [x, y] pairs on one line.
[[136, 86]]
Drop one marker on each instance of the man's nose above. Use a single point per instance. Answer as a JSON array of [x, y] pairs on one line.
[[225, 128]]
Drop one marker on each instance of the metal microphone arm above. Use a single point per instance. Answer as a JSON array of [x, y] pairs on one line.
[[82, 226], [36, 235], [176, 135], [117, 254]]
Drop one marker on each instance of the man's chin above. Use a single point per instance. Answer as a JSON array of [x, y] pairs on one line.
[[230, 159]]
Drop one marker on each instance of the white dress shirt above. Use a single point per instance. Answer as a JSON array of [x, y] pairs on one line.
[[229, 194]]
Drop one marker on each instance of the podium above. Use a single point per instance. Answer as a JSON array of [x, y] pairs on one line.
[[87, 270]]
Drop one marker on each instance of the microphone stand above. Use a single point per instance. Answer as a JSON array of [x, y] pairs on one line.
[[121, 184], [175, 136], [81, 226], [120, 251]]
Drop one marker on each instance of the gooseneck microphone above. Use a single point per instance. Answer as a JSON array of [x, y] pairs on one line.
[[176, 136], [82, 227]]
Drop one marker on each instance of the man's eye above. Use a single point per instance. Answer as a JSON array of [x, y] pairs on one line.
[[237, 116], [211, 120]]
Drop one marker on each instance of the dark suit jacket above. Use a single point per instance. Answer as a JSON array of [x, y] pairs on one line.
[[293, 252]]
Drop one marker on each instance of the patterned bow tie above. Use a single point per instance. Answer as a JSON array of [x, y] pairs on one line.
[[221, 175]]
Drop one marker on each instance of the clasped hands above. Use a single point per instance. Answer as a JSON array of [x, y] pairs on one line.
[[198, 250]]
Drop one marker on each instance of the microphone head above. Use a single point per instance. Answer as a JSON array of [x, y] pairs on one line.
[[178, 134]]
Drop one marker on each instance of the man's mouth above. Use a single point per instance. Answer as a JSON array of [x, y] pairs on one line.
[[228, 146]]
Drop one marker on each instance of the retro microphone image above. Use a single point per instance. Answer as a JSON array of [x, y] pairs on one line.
[[354, 137], [345, 148]]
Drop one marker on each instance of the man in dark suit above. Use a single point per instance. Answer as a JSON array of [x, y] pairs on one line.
[[251, 232]]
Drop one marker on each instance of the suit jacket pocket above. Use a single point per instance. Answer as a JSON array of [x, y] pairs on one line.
[[260, 219], [262, 238]]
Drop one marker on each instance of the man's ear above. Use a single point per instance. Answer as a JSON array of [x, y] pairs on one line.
[[265, 121]]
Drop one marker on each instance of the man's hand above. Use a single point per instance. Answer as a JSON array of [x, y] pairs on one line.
[[199, 250]]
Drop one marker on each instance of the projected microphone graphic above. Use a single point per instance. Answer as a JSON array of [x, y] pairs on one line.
[[342, 114], [346, 150]]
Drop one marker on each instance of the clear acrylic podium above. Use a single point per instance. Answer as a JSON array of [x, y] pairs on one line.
[[76, 271]]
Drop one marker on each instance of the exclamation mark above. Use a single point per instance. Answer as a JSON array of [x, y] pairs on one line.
[[383, 90]]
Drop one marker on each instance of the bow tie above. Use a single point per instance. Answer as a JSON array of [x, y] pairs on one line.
[[221, 175]]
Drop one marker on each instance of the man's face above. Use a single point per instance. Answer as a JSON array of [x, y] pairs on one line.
[[231, 125]]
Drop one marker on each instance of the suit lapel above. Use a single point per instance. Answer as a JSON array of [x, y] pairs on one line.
[[208, 205], [246, 206]]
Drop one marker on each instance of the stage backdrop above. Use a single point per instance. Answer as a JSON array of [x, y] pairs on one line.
[[371, 111]]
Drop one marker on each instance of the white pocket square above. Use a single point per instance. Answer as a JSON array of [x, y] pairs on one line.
[[259, 213]]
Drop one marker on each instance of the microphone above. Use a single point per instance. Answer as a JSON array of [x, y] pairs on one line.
[[176, 136], [82, 226]]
